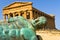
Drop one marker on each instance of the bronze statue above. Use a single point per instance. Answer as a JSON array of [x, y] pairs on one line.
[[19, 28]]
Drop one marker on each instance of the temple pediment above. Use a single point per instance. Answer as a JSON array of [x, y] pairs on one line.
[[17, 4]]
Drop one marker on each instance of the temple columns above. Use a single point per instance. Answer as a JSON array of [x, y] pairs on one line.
[[8, 16], [24, 15], [18, 13], [13, 15], [4, 17], [31, 16]]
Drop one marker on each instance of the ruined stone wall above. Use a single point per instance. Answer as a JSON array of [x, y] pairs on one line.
[[50, 24]]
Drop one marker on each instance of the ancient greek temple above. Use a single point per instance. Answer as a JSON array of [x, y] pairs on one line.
[[26, 10]]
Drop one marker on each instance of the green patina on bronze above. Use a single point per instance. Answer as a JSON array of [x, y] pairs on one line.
[[19, 28]]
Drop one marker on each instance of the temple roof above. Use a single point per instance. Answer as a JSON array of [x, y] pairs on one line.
[[16, 4], [48, 15]]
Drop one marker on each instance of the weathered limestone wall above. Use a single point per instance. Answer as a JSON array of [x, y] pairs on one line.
[[48, 35], [50, 24]]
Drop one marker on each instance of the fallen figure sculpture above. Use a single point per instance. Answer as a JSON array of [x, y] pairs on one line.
[[19, 28]]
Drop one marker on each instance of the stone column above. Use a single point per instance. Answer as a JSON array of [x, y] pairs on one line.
[[41, 13], [36, 14], [19, 13], [4, 17], [8, 16], [13, 15], [24, 15], [31, 16]]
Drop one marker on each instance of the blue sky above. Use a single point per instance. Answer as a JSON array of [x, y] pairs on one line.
[[47, 6]]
